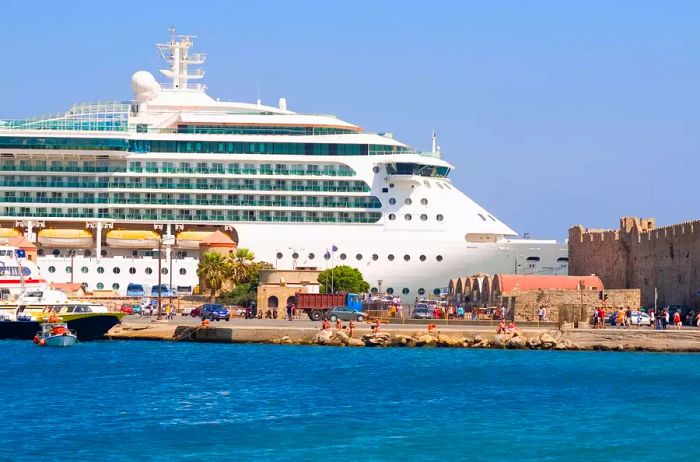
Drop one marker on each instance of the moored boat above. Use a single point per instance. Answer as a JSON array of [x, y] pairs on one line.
[[55, 334]]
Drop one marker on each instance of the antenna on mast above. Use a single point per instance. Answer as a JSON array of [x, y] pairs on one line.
[[176, 54], [435, 148]]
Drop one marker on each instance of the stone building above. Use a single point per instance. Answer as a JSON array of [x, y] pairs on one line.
[[278, 287], [640, 255]]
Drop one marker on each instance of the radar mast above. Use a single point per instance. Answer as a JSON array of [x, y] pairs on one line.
[[176, 54]]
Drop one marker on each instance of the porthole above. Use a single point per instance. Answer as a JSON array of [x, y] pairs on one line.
[[132, 270], [100, 270], [164, 271], [374, 290], [421, 291], [422, 258], [389, 290], [408, 201], [343, 256], [358, 256], [327, 256], [405, 291], [424, 201], [295, 255], [407, 217], [103, 253], [390, 257], [40, 252], [440, 217], [84, 269], [52, 269], [100, 286], [116, 270], [69, 269], [56, 252], [392, 217], [439, 258], [115, 286], [375, 169], [436, 291], [149, 270], [183, 271], [406, 257], [391, 185], [279, 255], [87, 253], [423, 217], [392, 201], [375, 257], [312, 256]]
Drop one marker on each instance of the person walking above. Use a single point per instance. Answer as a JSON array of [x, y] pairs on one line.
[[677, 320], [289, 311], [697, 320], [652, 318]]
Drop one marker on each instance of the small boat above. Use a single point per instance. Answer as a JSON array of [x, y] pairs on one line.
[[55, 334]]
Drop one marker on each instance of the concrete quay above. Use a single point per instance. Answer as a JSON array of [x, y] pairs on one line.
[[459, 336]]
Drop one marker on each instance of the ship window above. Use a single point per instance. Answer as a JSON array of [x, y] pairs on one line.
[[164, 271], [375, 257], [385, 190], [424, 201], [327, 256], [562, 259], [389, 290], [374, 290], [84, 269], [183, 271], [439, 258], [69, 269], [87, 253], [375, 169], [132, 270], [358, 256], [56, 252], [422, 258], [392, 216], [492, 218], [100, 270], [408, 217], [100, 286], [115, 286], [391, 185], [40, 252], [436, 291], [52, 269], [343, 256], [408, 201], [533, 258], [423, 217], [421, 291], [392, 201], [440, 217], [295, 255], [103, 253], [312, 256], [481, 216], [279, 255], [406, 257], [116, 270], [390, 257], [149, 270], [405, 291]]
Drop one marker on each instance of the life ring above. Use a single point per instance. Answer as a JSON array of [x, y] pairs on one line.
[[36, 339], [42, 342]]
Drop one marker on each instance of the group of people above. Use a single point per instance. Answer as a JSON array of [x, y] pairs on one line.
[[626, 318], [350, 328], [502, 329]]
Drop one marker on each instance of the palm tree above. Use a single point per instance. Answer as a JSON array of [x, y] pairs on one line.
[[242, 264], [214, 270]]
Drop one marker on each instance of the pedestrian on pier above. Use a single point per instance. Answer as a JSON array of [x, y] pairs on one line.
[[351, 328], [677, 320], [289, 311]]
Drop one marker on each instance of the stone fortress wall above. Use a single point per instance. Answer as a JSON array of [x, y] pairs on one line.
[[640, 255]]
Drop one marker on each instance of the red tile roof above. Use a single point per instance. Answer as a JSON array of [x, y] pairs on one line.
[[509, 282], [218, 239]]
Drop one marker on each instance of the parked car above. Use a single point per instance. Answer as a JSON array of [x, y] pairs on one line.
[[135, 290], [128, 309], [345, 313], [165, 291], [214, 312], [423, 312], [196, 312], [187, 311], [644, 320]]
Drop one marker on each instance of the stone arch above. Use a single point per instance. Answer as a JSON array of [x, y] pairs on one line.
[[452, 287], [272, 302], [485, 295], [291, 299]]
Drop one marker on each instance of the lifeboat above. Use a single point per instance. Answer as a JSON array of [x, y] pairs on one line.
[[75, 238], [130, 239], [191, 239], [8, 233]]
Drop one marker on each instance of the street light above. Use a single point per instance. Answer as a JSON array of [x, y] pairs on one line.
[[168, 241]]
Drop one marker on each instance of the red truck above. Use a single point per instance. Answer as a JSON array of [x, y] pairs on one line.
[[314, 305]]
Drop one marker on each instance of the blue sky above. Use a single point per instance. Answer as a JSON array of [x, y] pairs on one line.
[[554, 113]]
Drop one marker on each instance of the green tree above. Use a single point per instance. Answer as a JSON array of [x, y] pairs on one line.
[[242, 294], [242, 264], [343, 278], [214, 270]]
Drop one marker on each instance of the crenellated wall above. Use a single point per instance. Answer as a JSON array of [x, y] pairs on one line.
[[640, 255]]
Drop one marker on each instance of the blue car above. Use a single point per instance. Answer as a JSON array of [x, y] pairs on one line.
[[164, 289], [135, 290], [214, 312]]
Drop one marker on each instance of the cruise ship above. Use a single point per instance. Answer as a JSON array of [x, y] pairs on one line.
[[100, 187]]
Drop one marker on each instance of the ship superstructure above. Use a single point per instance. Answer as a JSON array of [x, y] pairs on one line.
[[100, 187]]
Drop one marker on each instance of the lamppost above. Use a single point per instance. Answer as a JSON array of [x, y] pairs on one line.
[[168, 241]]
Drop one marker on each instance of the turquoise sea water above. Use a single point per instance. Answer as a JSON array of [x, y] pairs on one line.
[[158, 401]]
